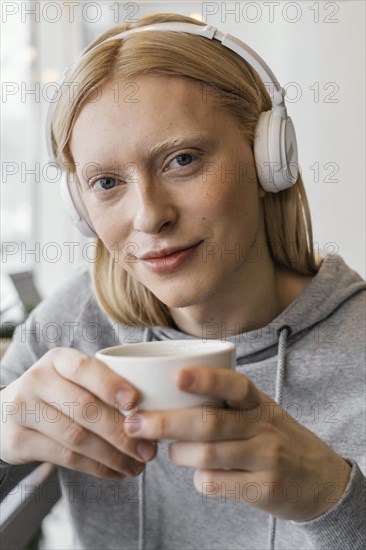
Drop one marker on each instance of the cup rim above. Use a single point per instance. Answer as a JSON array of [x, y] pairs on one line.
[[221, 347]]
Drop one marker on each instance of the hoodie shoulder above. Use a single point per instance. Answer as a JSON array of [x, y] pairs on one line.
[[69, 297], [52, 323]]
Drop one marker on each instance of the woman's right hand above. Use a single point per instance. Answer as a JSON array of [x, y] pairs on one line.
[[65, 409]]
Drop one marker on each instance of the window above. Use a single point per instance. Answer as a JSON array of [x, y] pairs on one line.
[[17, 146]]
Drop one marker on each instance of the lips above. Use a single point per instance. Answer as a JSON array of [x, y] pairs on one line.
[[168, 260], [166, 252]]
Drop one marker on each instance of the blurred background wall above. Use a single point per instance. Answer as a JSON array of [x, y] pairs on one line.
[[316, 50]]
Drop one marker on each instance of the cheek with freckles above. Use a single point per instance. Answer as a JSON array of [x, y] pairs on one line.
[[112, 232]]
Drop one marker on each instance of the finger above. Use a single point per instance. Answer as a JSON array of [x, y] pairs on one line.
[[205, 423], [236, 389], [71, 435], [55, 453], [93, 375], [250, 455], [94, 415]]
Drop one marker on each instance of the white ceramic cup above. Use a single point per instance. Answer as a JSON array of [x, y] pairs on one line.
[[152, 367]]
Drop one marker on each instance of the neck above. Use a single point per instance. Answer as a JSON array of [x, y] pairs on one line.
[[251, 299]]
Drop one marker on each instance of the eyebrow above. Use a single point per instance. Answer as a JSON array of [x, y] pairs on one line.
[[179, 140]]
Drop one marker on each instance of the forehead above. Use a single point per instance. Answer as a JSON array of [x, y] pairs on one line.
[[146, 107]]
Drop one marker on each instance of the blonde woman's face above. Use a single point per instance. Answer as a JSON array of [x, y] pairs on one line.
[[162, 166]]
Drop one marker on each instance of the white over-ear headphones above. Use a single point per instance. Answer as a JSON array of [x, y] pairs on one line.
[[275, 148]]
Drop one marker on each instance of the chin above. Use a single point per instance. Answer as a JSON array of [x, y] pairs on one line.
[[184, 297], [175, 301]]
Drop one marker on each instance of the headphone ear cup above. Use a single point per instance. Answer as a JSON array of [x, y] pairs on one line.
[[289, 153], [75, 207], [275, 152], [261, 151]]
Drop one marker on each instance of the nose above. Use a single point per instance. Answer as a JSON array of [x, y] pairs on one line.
[[154, 208]]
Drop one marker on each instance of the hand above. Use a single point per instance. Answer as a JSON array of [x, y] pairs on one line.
[[252, 451], [65, 409]]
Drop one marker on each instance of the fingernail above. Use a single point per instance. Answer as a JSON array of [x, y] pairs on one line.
[[136, 468], [133, 424], [186, 380], [125, 399], [146, 450]]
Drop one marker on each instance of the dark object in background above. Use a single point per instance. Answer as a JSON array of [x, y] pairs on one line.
[[29, 298], [26, 288]]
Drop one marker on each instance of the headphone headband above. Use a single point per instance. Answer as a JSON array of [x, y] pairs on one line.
[[276, 92], [231, 42]]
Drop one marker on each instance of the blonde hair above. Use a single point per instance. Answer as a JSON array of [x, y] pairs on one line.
[[239, 90]]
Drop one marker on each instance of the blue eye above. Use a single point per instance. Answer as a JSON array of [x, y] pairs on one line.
[[106, 183], [184, 156]]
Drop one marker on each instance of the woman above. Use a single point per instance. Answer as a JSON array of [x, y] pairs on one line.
[[167, 170]]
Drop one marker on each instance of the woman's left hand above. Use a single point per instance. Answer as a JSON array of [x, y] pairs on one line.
[[252, 451]]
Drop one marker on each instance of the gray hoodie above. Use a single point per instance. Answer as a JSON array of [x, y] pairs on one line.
[[310, 359]]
